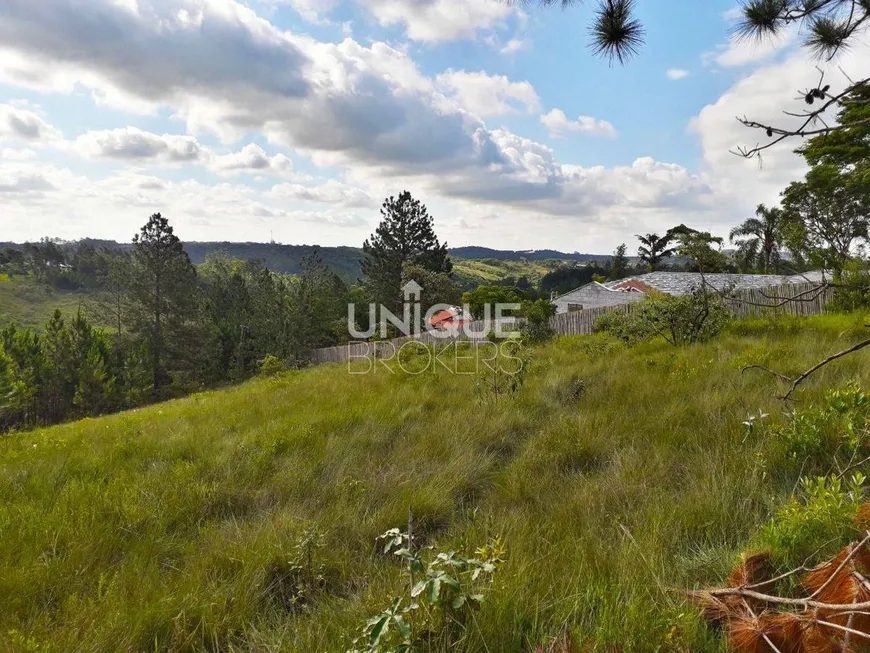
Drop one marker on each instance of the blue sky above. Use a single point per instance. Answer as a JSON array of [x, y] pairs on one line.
[[295, 118]]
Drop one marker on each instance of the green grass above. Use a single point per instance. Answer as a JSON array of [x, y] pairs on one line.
[[163, 528], [27, 303]]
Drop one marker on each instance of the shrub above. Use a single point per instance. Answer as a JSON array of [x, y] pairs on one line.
[[823, 519], [857, 297], [819, 439], [271, 365], [536, 321], [682, 320]]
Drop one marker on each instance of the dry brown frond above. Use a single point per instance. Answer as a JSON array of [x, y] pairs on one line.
[[754, 568], [833, 583], [717, 610], [782, 630]]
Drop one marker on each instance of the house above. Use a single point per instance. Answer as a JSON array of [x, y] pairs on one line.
[[449, 318], [632, 289]]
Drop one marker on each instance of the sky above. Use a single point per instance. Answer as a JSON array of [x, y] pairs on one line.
[[292, 120]]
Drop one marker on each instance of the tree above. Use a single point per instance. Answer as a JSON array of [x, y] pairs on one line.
[[759, 239], [478, 298], [164, 295], [318, 306], [827, 26], [654, 249], [111, 303], [566, 278], [826, 214], [619, 263], [702, 248], [405, 235], [438, 287]]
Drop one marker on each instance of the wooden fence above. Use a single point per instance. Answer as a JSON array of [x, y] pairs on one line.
[[806, 299]]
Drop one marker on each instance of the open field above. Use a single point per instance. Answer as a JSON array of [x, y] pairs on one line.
[[29, 303], [613, 476]]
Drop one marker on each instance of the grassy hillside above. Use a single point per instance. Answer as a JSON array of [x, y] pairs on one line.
[[614, 477], [28, 303], [470, 273]]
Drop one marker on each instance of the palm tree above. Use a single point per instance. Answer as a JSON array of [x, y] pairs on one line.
[[654, 249], [759, 239]]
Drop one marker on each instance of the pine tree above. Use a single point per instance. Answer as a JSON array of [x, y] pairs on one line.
[[619, 263], [164, 295], [405, 235]]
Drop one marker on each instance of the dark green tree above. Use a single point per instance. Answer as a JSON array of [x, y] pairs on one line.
[[164, 297], [478, 298], [318, 304], [759, 239], [702, 249], [654, 249], [619, 263], [826, 215], [405, 235]]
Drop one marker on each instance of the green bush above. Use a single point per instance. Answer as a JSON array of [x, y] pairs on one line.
[[819, 523], [271, 365], [857, 297], [681, 320], [819, 439], [536, 321]]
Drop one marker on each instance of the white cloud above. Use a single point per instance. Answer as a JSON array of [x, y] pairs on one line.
[[135, 146], [558, 124], [20, 124], [252, 158], [330, 192], [763, 95], [368, 110], [40, 200], [132, 144], [675, 74], [422, 20], [149, 53], [744, 51], [488, 95], [513, 46], [11, 154]]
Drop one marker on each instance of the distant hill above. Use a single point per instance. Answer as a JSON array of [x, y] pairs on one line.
[[473, 252], [494, 264]]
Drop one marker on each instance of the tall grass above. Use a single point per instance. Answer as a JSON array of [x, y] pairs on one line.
[[615, 476]]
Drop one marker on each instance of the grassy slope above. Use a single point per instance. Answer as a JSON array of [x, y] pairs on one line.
[[30, 304], [471, 272], [162, 527]]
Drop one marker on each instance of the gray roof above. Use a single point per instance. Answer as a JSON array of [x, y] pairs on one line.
[[681, 283]]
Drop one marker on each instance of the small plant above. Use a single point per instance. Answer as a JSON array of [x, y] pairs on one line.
[[503, 376], [271, 366], [296, 581], [443, 588], [751, 421]]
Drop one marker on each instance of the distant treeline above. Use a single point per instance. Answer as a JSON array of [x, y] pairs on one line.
[[288, 259]]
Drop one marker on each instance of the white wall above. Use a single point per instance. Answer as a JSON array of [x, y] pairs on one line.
[[594, 295]]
